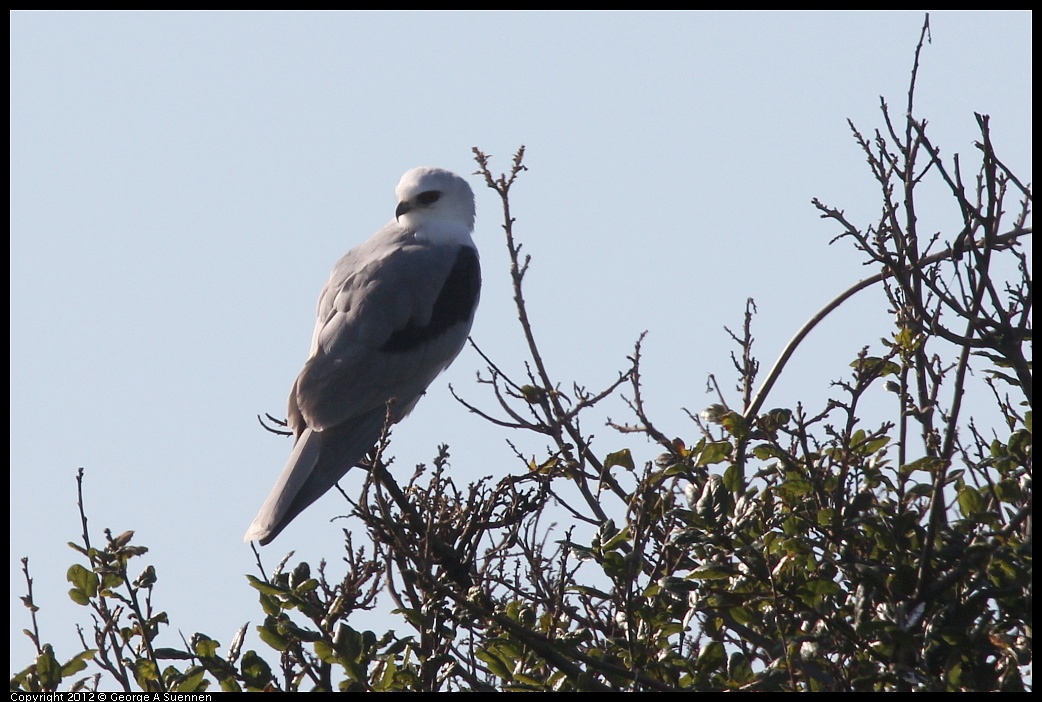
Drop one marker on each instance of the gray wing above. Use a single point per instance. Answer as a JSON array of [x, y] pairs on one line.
[[396, 323], [393, 315]]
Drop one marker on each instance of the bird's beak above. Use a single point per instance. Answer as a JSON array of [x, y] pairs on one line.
[[402, 208]]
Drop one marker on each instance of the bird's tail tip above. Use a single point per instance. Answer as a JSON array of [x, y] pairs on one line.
[[259, 533]]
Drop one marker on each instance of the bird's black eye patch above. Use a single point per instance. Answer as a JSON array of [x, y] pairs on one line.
[[429, 197]]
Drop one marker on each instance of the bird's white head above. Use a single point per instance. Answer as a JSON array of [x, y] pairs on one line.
[[435, 203]]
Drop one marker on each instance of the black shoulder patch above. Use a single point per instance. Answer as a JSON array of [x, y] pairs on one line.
[[455, 304]]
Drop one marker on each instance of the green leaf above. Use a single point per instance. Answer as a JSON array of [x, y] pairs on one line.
[[739, 669], [255, 670], [970, 501], [813, 592], [874, 366], [712, 658], [47, 669], [1020, 444], [85, 582], [78, 596], [714, 452], [386, 681], [868, 445], [273, 638], [733, 479], [735, 424], [743, 615], [495, 665], [204, 646], [532, 394], [795, 487], [306, 587], [620, 458], [145, 671], [173, 654], [1009, 490], [266, 588], [926, 463], [766, 451], [110, 581], [325, 652], [617, 540], [195, 680], [78, 662], [529, 680], [710, 572], [230, 684], [287, 626]]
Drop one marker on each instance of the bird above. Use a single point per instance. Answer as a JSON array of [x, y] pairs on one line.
[[395, 313]]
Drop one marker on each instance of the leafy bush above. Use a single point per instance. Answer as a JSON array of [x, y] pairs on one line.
[[779, 549]]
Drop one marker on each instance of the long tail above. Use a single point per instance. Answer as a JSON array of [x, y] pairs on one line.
[[319, 459]]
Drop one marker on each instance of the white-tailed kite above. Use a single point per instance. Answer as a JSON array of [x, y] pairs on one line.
[[395, 313]]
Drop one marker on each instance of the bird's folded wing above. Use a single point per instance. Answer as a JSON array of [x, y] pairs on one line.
[[353, 368]]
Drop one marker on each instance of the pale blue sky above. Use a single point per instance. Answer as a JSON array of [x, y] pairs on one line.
[[182, 183]]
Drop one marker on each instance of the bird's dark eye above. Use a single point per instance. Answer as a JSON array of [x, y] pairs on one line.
[[429, 197]]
